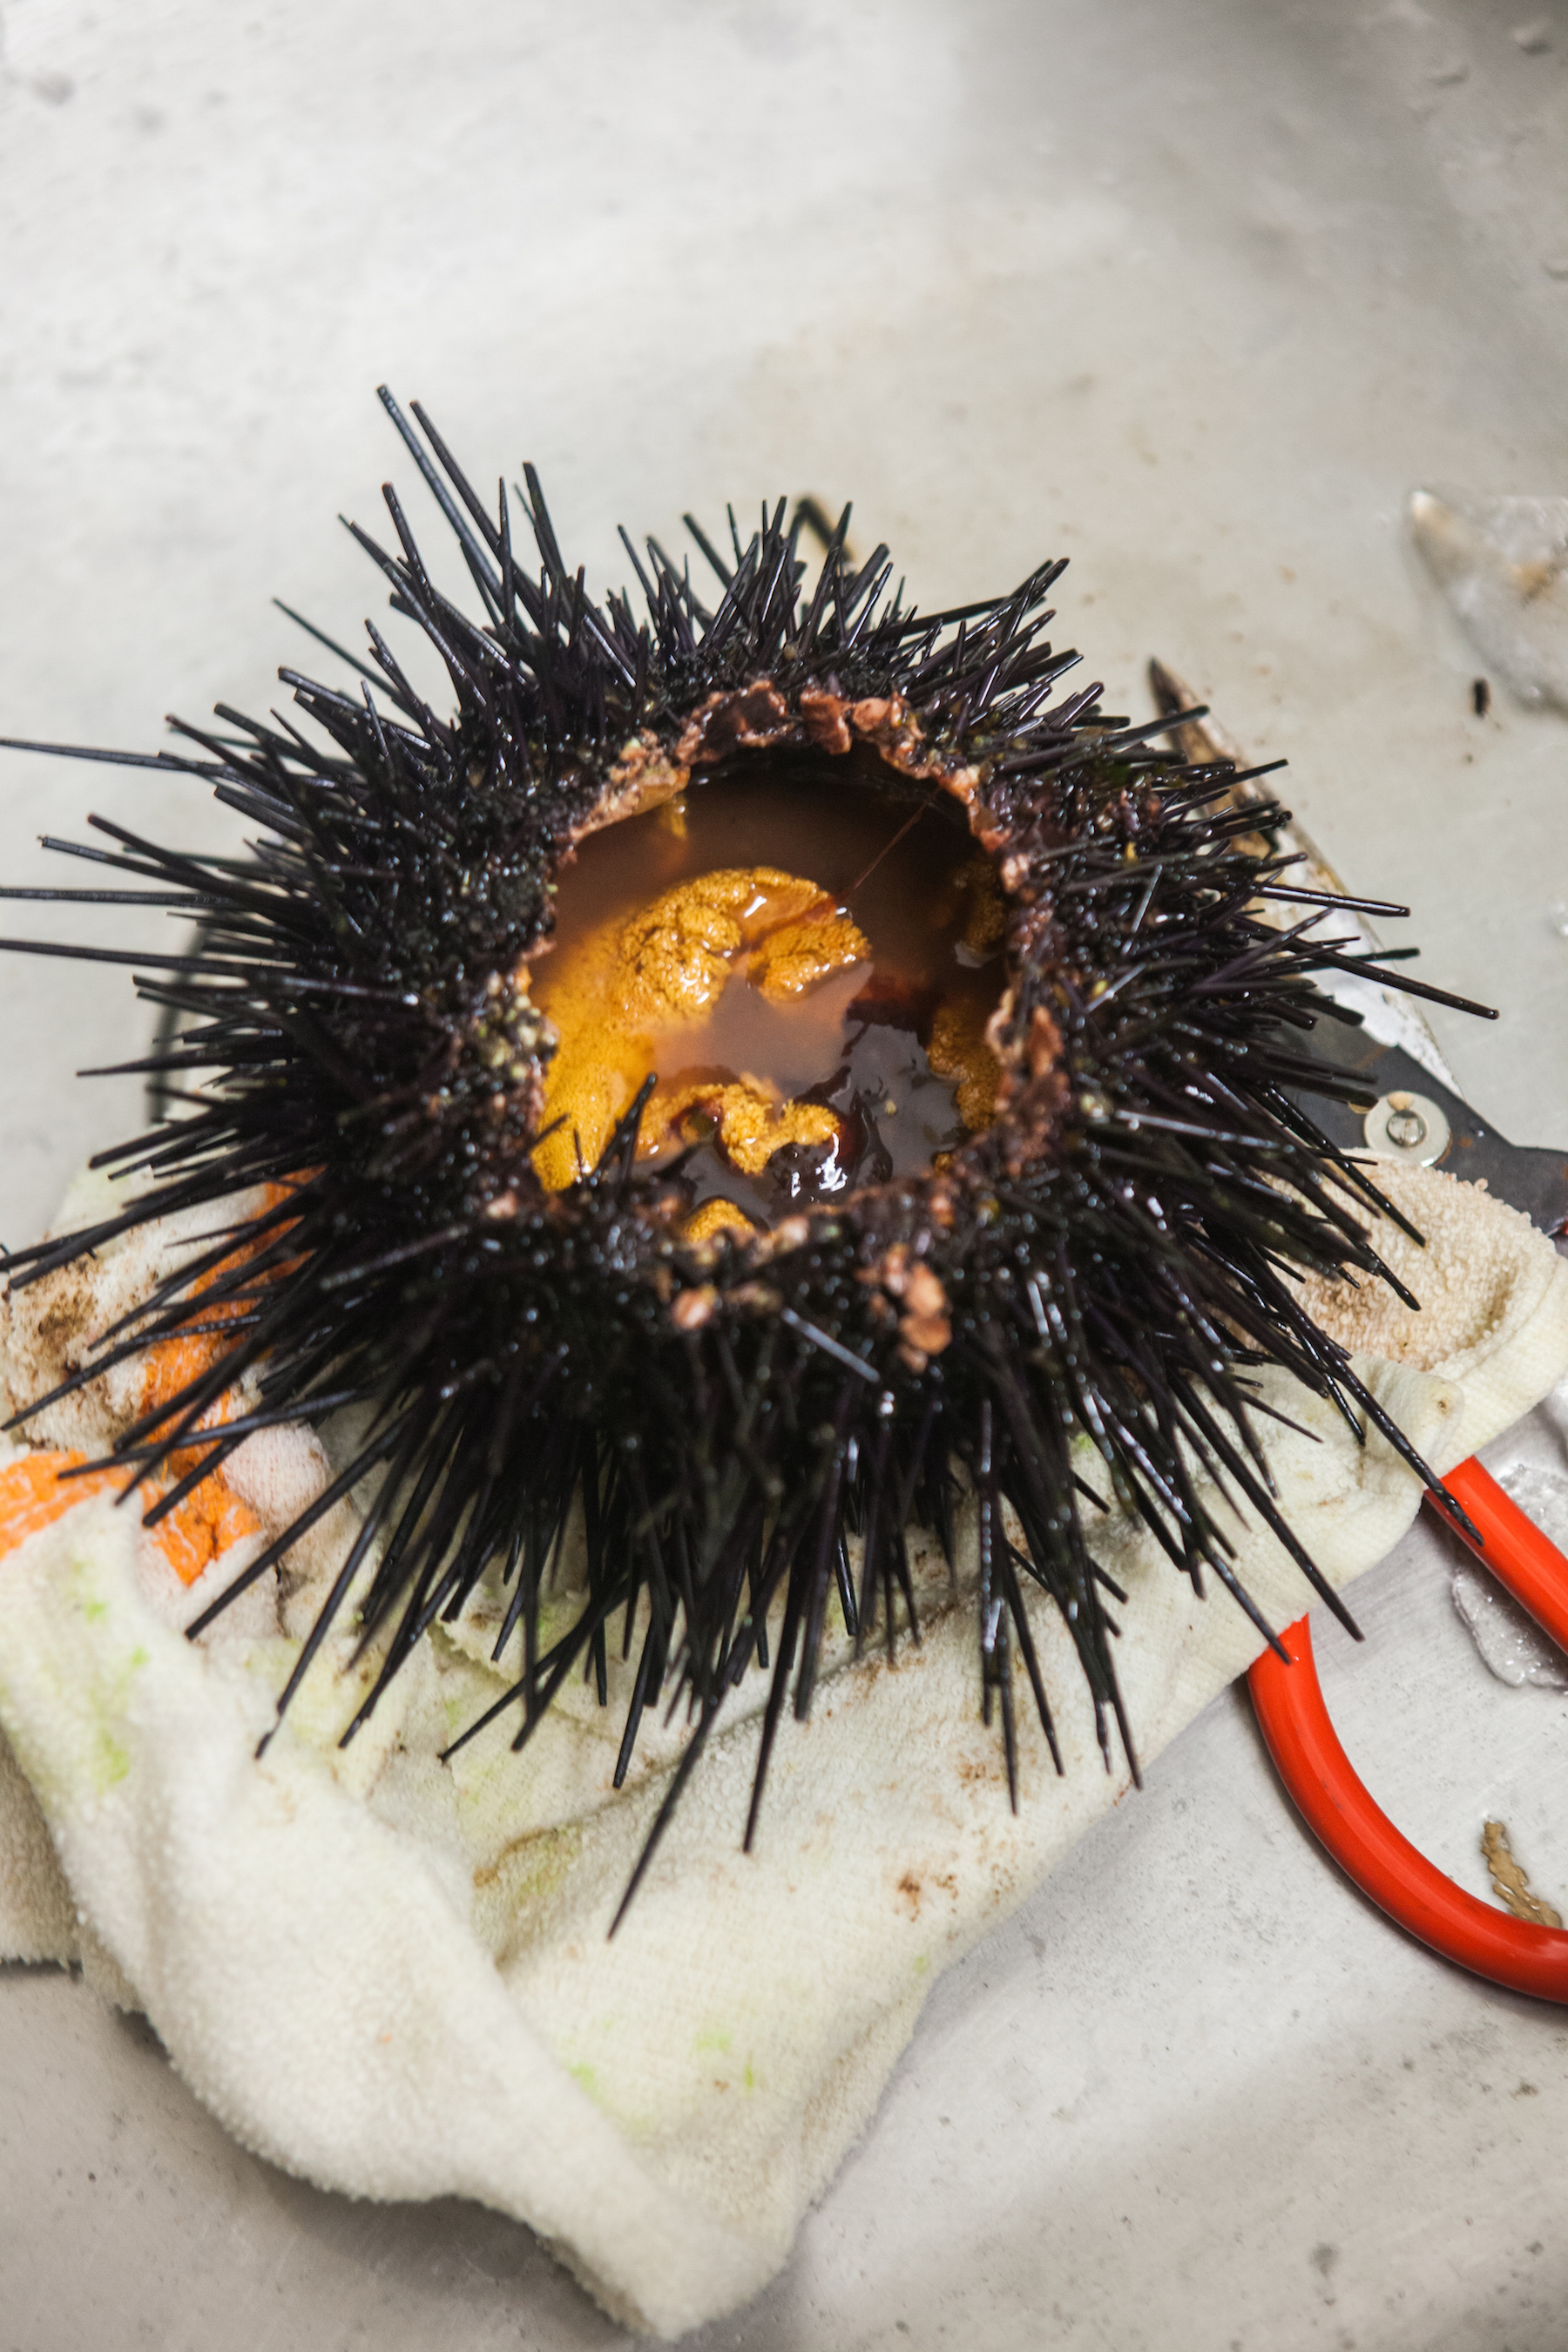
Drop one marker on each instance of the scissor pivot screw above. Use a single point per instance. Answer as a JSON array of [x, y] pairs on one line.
[[1406, 1127]]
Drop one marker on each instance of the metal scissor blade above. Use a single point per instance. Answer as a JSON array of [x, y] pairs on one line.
[[1393, 1052], [1392, 1019], [1527, 1177]]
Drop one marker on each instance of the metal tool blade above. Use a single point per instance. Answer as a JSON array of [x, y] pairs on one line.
[[1392, 1052]]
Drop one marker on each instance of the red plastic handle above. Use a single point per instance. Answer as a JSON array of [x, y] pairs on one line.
[[1323, 1783], [1512, 1547]]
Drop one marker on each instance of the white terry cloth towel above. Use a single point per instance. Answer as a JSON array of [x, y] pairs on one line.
[[391, 1975]]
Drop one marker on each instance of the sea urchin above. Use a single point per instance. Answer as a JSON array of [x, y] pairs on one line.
[[1001, 1154]]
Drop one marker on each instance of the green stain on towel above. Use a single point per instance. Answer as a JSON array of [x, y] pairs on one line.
[[107, 1759], [271, 1660]]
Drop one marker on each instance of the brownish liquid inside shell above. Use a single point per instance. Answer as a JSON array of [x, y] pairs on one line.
[[842, 1045]]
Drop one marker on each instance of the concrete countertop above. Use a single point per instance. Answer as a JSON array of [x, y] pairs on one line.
[[1194, 291]]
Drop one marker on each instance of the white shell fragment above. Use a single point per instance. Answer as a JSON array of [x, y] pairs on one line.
[[1502, 564]]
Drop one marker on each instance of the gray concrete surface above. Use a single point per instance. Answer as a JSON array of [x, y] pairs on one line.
[[1194, 291]]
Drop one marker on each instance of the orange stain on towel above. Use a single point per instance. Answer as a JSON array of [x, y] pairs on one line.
[[203, 1526], [171, 1365], [34, 1494]]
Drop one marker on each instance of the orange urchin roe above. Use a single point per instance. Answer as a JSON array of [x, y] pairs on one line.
[[798, 955], [749, 1122], [675, 959], [984, 914], [633, 983], [958, 1050], [715, 1216]]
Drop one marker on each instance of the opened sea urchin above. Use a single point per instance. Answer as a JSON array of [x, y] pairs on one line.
[[757, 1072]]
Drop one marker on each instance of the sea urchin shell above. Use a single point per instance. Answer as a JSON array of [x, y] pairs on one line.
[[748, 1412]]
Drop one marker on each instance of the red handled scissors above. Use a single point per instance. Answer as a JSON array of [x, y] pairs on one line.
[[1414, 1114], [1327, 1793], [1288, 1701]]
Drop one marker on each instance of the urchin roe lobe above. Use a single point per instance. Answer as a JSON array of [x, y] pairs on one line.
[[836, 948]]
